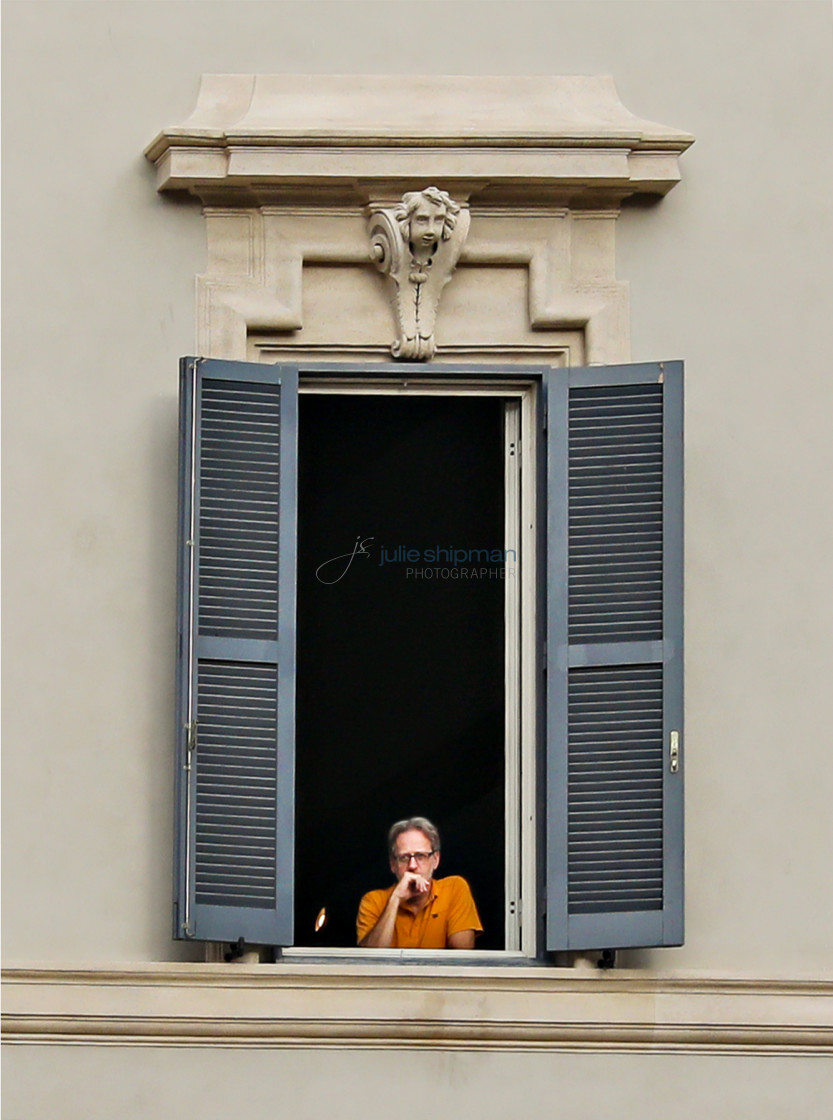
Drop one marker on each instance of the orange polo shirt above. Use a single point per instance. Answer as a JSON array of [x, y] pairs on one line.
[[450, 909]]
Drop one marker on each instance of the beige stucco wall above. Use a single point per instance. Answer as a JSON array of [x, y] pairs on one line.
[[261, 1085], [730, 272]]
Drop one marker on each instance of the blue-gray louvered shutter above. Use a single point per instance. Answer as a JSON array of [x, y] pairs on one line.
[[236, 693], [614, 668]]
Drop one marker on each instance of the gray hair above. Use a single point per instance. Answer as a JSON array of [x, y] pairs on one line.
[[421, 824]]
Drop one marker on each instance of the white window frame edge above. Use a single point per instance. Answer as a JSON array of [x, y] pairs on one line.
[[521, 872]]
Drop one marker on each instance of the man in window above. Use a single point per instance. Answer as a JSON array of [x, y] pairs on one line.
[[418, 911]]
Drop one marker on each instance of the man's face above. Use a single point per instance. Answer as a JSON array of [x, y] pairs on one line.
[[427, 223], [414, 843]]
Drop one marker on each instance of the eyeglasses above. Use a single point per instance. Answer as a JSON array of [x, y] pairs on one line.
[[421, 857]]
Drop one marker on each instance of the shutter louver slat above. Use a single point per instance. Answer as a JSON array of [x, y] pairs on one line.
[[632, 876], [238, 530], [615, 593], [237, 711], [238, 593], [615, 513]]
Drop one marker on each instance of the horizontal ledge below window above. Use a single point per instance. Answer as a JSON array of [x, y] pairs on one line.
[[383, 1006]]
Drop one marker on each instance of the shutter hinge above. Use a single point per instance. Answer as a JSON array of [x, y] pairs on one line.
[[674, 752], [190, 746], [191, 740], [185, 928]]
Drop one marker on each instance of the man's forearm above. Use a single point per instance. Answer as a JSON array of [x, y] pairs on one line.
[[381, 936]]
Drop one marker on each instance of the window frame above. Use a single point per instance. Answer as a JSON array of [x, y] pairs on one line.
[[523, 383], [539, 381]]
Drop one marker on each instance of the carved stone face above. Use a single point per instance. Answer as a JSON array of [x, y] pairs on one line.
[[426, 224]]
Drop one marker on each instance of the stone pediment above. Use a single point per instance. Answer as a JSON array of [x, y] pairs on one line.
[[312, 183], [503, 140]]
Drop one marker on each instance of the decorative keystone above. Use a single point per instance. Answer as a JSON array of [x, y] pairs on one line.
[[417, 244]]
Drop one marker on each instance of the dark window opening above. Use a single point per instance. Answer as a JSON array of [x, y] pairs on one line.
[[400, 676]]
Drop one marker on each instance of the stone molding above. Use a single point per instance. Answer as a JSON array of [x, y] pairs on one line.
[[523, 1008], [291, 169], [357, 137], [254, 282]]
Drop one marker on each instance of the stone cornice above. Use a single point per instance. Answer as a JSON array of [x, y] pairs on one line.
[[295, 1005], [502, 139]]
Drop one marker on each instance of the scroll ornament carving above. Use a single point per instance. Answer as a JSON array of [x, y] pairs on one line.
[[417, 244]]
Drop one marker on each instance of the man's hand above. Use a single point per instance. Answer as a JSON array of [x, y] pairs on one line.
[[411, 886]]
